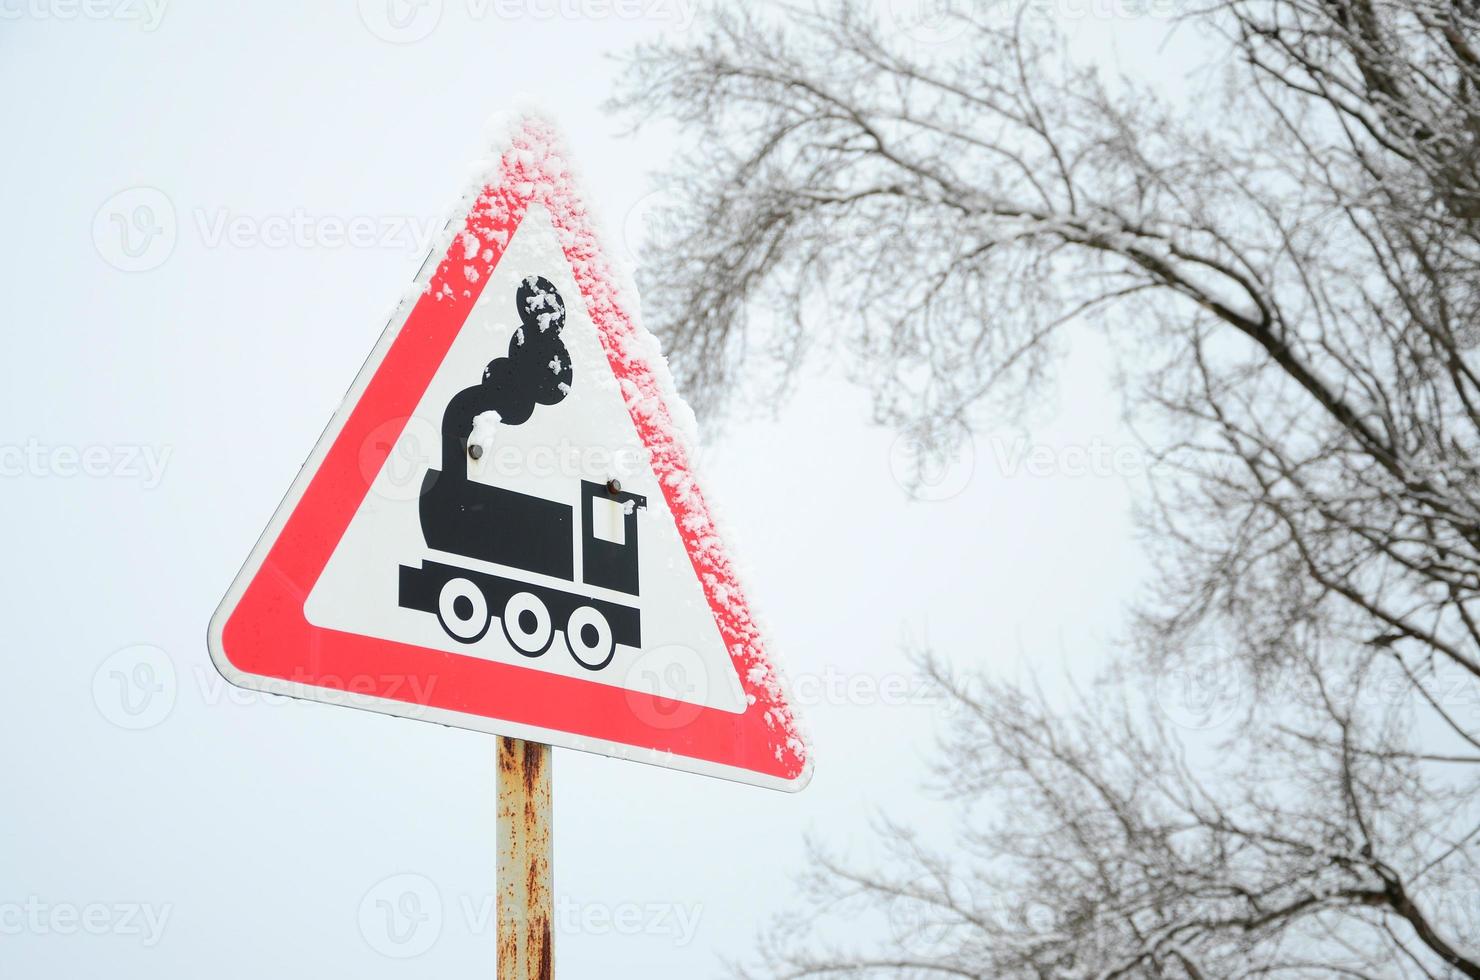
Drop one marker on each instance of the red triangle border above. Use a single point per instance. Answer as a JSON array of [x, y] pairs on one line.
[[266, 635]]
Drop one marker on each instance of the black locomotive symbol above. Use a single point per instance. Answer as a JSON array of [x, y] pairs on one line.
[[471, 519]]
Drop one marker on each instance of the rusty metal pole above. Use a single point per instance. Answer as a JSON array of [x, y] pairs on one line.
[[526, 947]]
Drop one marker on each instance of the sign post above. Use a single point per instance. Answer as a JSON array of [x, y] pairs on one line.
[[526, 945]]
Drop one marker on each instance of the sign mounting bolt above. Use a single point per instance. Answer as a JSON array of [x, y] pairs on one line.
[[613, 487], [475, 451]]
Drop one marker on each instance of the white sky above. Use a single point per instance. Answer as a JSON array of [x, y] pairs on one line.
[[262, 829]]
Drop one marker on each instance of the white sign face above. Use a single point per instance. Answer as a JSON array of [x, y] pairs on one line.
[[499, 529], [586, 437]]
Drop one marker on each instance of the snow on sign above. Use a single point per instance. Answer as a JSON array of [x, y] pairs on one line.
[[499, 529]]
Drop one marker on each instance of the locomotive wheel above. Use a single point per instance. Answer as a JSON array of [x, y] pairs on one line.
[[589, 637], [462, 610], [527, 624]]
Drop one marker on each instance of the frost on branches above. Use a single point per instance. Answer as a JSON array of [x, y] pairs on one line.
[[1286, 259]]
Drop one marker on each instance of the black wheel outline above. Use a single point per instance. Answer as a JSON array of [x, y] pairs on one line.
[[503, 623], [442, 620], [611, 645]]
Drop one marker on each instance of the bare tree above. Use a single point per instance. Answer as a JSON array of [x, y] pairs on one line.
[[1289, 262]]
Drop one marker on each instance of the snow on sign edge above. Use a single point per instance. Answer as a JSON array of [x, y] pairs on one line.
[[538, 149]]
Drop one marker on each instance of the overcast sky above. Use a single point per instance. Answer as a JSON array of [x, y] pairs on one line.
[[182, 319]]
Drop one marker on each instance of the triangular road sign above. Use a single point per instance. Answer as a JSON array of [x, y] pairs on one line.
[[499, 529]]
